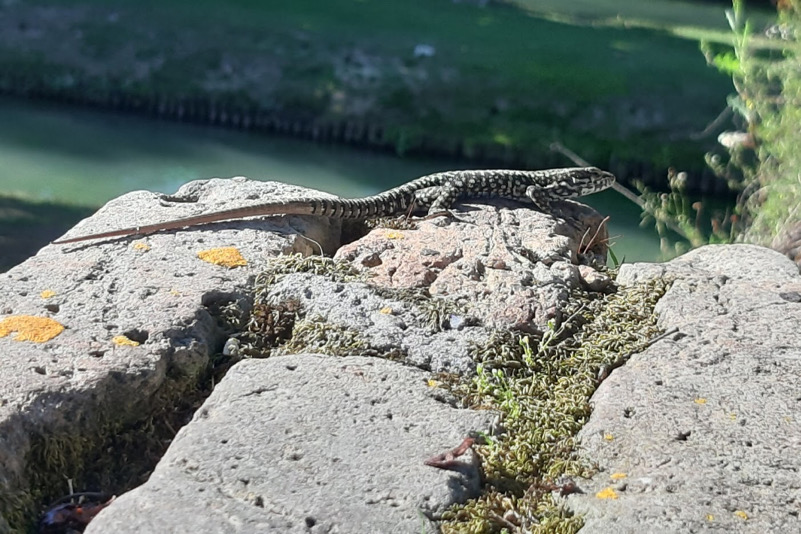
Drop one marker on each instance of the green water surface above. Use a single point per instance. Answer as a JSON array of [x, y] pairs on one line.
[[84, 158]]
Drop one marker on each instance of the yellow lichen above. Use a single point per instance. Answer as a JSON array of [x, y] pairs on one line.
[[700, 400], [609, 437], [386, 311], [47, 293], [224, 256], [742, 515], [710, 517], [617, 476], [144, 247], [607, 493], [30, 328], [124, 340], [393, 234]]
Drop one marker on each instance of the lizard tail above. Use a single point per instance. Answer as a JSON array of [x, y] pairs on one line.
[[294, 207]]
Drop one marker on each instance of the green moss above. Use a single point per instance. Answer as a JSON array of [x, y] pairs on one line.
[[280, 266], [113, 455], [541, 385], [283, 327], [435, 312], [543, 388], [316, 335]]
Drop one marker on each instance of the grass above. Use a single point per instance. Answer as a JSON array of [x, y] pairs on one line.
[[502, 75], [675, 16]]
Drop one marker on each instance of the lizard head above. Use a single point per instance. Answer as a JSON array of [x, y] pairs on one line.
[[581, 181], [568, 183]]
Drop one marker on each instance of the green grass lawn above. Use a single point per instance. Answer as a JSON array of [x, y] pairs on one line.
[[514, 76], [662, 14]]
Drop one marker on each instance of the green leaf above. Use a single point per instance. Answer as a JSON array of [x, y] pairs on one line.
[[727, 63]]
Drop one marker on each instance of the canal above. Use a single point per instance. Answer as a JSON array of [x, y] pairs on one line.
[[80, 157]]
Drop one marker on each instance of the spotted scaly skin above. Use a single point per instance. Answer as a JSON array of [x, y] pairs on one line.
[[435, 193]]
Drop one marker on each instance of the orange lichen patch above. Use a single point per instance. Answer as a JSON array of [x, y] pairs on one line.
[[144, 247], [393, 234], [700, 400], [607, 493], [30, 328], [224, 256], [47, 294], [742, 515], [617, 476], [123, 340]]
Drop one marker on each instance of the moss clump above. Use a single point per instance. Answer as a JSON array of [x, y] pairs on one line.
[[543, 388], [436, 313], [111, 451], [280, 266], [279, 328], [283, 327], [314, 334], [392, 223]]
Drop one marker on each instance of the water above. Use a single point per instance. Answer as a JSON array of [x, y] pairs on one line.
[[83, 157]]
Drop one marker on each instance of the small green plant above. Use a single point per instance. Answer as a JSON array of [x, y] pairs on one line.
[[738, 166], [761, 160], [684, 223], [771, 93]]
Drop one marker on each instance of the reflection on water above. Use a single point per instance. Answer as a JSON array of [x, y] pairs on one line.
[[83, 157]]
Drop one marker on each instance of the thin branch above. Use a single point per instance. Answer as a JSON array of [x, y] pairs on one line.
[[712, 126], [556, 146]]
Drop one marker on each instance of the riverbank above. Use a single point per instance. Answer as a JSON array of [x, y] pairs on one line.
[[489, 84]]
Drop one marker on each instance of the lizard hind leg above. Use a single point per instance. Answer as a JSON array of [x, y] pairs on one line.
[[540, 197], [441, 199]]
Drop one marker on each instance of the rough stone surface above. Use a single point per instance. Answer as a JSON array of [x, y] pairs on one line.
[[705, 425], [387, 324], [155, 290], [515, 264], [307, 444], [702, 427]]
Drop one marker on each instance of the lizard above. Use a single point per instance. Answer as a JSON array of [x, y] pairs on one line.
[[436, 192]]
